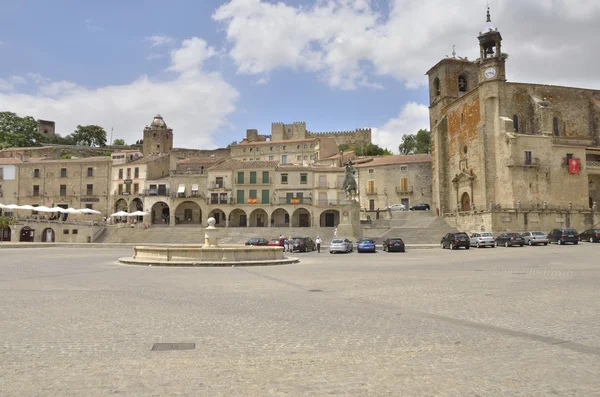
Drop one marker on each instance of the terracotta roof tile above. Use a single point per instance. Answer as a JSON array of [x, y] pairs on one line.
[[233, 164], [397, 159]]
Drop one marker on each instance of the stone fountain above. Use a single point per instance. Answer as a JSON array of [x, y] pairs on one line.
[[209, 254]]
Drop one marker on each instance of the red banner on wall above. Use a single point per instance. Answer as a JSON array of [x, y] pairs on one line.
[[574, 166], [295, 200], [252, 200]]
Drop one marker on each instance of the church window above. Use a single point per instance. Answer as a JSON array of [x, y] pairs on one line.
[[436, 87], [528, 158], [462, 83], [569, 157], [555, 128], [516, 123]]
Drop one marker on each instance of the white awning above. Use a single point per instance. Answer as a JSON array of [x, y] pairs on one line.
[[195, 187], [181, 189]]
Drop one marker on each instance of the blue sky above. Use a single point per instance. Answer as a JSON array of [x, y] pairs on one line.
[[216, 68]]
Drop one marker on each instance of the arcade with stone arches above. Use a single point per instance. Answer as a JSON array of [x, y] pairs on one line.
[[188, 213]]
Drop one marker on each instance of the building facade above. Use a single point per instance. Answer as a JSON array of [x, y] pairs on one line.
[[503, 146], [75, 183], [396, 179]]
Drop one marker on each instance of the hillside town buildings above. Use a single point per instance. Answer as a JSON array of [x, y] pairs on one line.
[[291, 178]]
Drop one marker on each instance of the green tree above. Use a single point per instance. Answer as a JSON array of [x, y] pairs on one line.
[[408, 145], [418, 143], [119, 142], [369, 149], [5, 222], [90, 135], [18, 131], [60, 140], [423, 141]]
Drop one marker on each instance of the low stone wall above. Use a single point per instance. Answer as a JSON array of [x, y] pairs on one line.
[[521, 221], [48, 232]]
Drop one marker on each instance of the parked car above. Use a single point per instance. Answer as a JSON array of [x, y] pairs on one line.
[[483, 239], [591, 235], [303, 244], [510, 239], [257, 242], [340, 245], [365, 245], [397, 207], [455, 241], [393, 244], [420, 207], [276, 242], [535, 238], [563, 236]]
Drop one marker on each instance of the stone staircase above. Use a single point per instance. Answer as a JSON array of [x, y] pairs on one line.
[[414, 227], [183, 234]]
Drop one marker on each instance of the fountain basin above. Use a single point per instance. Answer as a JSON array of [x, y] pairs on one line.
[[194, 255]]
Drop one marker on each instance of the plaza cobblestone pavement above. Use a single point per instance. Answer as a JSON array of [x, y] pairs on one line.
[[488, 322]]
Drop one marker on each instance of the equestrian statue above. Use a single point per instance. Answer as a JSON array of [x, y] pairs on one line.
[[349, 185]]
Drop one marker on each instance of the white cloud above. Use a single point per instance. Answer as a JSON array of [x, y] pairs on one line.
[[346, 41], [194, 102], [92, 26], [158, 40], [10, 83], [411, 119]]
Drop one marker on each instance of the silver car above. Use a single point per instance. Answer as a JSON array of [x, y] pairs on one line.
[[483, 239], [535, 238], [340, 245]]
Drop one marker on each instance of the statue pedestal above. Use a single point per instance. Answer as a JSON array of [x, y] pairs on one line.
[[349, 226]]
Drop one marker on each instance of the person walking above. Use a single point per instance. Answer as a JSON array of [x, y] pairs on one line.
[[335, 232], [291, 244], [285, 245], [318, 242]]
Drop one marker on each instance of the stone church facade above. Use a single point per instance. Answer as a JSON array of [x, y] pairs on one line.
[[505, 153]]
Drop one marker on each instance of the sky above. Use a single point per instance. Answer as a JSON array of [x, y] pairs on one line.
[[215, 68]]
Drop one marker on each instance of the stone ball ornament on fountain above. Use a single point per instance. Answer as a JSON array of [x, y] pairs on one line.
[[209, 254], [211, 234]]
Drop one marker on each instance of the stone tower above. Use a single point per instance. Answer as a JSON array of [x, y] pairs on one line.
[[491, 61], [158, 138]]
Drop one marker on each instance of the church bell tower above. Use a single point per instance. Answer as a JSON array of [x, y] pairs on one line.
[[492, 60]]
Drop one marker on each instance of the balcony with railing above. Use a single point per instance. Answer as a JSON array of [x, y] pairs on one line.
[[218, 186], [404, 190], [592, 164], [155, 192], [524, 162], [371, 192], [295, 201], [327, 202]]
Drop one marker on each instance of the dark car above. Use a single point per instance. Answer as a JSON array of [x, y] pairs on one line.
[[303, 244], [420, 207], [257, 242], [563, 236], [455, 241], [591, 235], [365, 245], [510, 239], [276, 242], [393, 244]]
